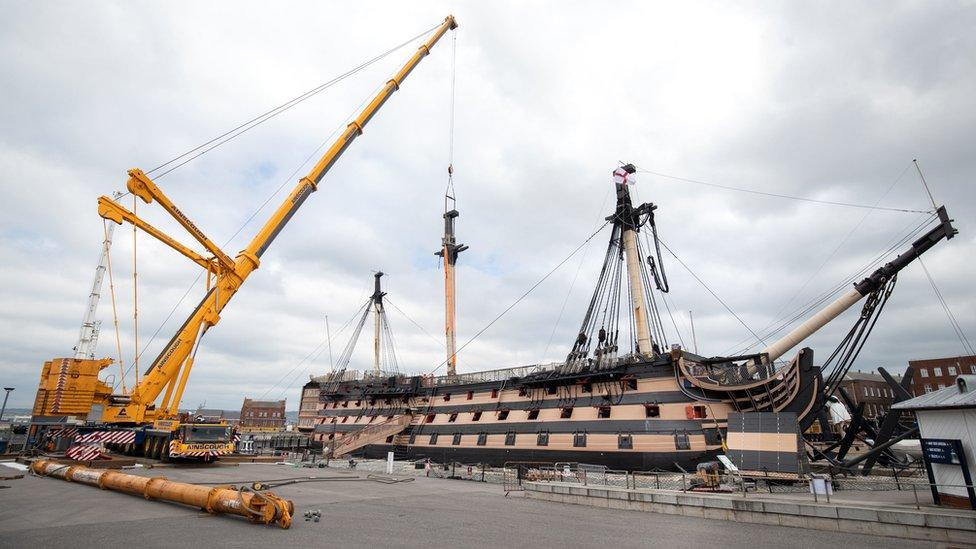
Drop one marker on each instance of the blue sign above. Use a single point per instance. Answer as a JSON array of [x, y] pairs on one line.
[[942, 450]]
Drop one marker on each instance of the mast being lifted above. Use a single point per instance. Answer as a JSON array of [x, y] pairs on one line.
[[171, 368], [449, 252], [378, 313]]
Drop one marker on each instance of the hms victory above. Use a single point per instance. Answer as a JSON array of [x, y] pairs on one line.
[[623, 397]]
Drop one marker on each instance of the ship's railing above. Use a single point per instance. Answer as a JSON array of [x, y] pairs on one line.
[[489, 375], [729, 373]]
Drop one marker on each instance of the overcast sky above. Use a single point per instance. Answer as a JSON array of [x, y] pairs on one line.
[[830, 101]]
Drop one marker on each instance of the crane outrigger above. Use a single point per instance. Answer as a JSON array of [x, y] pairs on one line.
[[169, 372]]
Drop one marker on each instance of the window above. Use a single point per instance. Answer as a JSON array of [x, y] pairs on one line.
[[550, 390], [952, 370], [447, 396], [937, 372], [494, 393], [433, 439], [523, 391], [625, 442], [579, 440], [470, 395], [482, 439], [457, 439], [542, 439], [603, 412], [476, 416], [694, 412], [502, 415], [942, 386], [652, 410], [587, 388], [566, 412], [631, 384], [533, 414], [452, 418], [681, 441], [510, 438], [924, 372], [928, 388], [867, 392], [430, 418]]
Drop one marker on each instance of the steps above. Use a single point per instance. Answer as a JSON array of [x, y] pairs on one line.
[[372, 434]]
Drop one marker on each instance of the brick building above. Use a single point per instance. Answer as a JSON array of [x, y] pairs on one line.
[[872, 390], [265, 414], [933, 374]]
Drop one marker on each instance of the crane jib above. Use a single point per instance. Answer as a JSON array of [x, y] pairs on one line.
[[296, 202]]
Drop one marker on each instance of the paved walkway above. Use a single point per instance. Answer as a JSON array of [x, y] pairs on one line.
[[50, 513]]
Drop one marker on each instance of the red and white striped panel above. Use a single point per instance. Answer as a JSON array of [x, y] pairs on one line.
[[64, 432], [85, 452], [110, 437]]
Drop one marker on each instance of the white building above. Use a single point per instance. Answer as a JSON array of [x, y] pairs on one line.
[[949, 413]]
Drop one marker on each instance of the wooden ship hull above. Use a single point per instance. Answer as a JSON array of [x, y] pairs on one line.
[[639, 416]]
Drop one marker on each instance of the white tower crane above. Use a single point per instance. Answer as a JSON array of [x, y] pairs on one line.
[[88, 336]]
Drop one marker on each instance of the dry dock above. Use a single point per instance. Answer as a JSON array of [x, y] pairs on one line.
[[44, 512]]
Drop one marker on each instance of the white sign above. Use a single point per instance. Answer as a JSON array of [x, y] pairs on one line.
[[728, 463], [389, 463]]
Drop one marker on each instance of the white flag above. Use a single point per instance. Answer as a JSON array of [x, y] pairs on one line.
[[621, 177]]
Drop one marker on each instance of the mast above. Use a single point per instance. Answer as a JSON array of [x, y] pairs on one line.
[[627, 215], [449, 251], [377, 298]]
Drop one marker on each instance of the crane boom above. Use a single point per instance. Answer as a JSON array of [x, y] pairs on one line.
[[170, 370], [88, 335]]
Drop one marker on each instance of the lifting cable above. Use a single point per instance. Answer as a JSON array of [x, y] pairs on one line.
[[521, 297], [135, 290], [229, 135], [115, 311], [251, 217], [776, 195]]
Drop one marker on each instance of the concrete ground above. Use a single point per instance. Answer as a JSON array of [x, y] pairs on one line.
[[51, 513]]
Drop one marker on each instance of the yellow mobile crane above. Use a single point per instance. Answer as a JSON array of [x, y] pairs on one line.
[[72, 387]]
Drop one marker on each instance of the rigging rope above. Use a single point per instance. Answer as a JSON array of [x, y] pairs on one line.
[[834, 290], [387, 300], [115, 312], [309, 356], [956, 327], [702, 282], [776, 195], [233, 133]]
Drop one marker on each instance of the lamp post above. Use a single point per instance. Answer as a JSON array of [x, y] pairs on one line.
[[5, 397]]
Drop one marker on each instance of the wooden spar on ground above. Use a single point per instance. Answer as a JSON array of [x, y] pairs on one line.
[[262, 507]]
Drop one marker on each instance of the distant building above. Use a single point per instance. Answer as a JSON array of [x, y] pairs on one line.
[[265, 414], [872, 390], [938, 373], [213, 415], [308, 410], [949, 414]]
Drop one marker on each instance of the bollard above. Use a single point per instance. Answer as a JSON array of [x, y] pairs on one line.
[[257, 507]]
